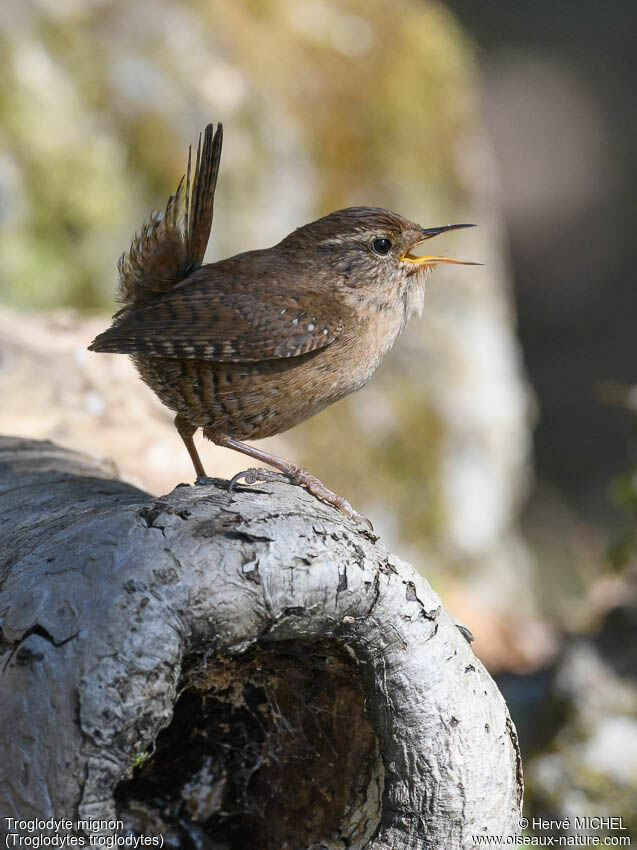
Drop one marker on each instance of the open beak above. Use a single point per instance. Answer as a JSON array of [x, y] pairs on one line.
[[426, 260]]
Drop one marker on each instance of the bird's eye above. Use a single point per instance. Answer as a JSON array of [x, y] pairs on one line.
[[381, 245]]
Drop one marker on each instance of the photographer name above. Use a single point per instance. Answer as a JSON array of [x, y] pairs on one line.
[[596, 823]]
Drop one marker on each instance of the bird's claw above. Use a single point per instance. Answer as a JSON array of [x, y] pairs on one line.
[[344, 507], [258, 476], [361, 519]]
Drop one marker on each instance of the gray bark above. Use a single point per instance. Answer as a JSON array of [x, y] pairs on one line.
[[233, 670]]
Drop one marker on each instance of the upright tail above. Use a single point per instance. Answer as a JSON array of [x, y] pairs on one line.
[[170, 246]]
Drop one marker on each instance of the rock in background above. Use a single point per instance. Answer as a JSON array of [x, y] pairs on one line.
[[578, 725]]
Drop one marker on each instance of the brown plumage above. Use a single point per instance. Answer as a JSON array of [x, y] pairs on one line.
[[250, 346]]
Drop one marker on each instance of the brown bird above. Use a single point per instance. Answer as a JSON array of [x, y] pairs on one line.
[[249, 346]]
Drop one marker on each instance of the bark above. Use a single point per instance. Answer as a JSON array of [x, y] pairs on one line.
[[233, 670]]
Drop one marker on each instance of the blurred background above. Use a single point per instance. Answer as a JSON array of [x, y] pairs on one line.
[[495, 448]]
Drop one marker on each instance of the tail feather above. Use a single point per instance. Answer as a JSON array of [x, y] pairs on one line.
[[198, 217], [164, 252]]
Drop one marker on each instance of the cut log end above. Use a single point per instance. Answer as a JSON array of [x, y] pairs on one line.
[[232, 670]]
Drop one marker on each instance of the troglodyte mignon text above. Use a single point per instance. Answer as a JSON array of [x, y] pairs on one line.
[[249, 346]]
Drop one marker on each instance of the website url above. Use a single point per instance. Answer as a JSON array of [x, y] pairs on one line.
[[550, 841]]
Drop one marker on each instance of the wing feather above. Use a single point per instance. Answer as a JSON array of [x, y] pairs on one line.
[[224, 326]]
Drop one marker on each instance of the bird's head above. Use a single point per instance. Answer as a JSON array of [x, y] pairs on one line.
[[369, 254]]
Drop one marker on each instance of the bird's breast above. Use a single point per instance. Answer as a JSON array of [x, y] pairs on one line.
[[363, 346]]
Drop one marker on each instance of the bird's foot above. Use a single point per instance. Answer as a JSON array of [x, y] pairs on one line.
[[204, 480], [302, 478], [258, 476]]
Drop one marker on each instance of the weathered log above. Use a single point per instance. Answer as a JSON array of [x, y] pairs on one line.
[[233, 670]]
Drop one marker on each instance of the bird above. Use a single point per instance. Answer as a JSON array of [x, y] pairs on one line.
[[249, 346]]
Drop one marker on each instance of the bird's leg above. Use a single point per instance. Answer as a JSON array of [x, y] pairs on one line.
[[292, 473], [186, 430]]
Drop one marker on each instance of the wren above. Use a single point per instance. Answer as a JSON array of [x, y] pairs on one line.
[[247, 347]]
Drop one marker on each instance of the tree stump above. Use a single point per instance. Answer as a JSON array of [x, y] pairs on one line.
[[233, 670]]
